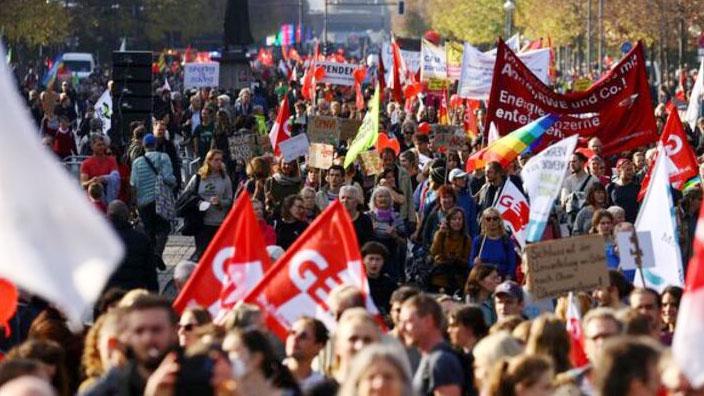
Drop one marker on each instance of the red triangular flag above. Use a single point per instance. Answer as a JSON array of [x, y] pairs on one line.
[[280, 131], [234, 262], [325, 256]]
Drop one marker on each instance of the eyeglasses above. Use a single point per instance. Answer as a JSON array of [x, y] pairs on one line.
[[187, 326]]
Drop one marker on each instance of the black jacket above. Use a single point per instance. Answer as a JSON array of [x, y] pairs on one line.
[[138, 267]]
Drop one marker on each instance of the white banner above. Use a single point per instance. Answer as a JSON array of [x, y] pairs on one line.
[[433, 62], [294, 147], [337, 73], [103, 110], [542, 179], [201, 75], [411, 58], [657, 215], [478, 70]]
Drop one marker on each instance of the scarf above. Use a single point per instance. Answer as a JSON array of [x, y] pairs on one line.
[[287, 180], [384, 215]]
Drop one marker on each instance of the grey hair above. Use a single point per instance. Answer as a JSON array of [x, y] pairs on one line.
[[352, 190], [393, 355], [601, 313], [378, 190], [616, 210]]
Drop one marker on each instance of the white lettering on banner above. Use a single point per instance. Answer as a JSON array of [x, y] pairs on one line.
[[201, 75], [219, 261], [337, 73]]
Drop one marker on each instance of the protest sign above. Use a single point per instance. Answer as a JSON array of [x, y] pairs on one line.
[[410, 57], [433, 62], [617, 109], [201, 75], [635, 250], [562, 265], [323, 130], [453, 53], [242, 147], [294, 147], [435, 84], [371, 163], [477, 70], [582, 84], [320, 155], [337, 73], [542, 179], [448, 138], [347, 128]]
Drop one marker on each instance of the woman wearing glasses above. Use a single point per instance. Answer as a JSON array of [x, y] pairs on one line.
[[493, 245], [190, 321]]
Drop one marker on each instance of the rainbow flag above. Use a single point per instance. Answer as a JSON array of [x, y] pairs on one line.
[[52, 74], [509, 147], [693, 182]]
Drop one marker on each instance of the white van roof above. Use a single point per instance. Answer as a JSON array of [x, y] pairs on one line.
[[79, 56]]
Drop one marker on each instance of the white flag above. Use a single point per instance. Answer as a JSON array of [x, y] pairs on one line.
[[53, 242], [695, 99], [514, 209], [493, 134], [657, 215], [542, 179], [103, 110]]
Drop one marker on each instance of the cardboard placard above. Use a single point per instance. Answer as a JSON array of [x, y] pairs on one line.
[[569, 264], [630, 254], [371, 163], [294, 147], [323, 130], [449, 138], [243, 147], [201, 75], [320, 155], [348, 128]]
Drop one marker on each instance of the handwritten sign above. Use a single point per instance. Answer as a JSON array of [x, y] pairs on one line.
[[200, 75], [433, 62], [562, 265], [320, 155], [448, 138], [294, 147], [242, 147], [337, 73], [323, 130], [348, 128], [635, 249], [371, 163]]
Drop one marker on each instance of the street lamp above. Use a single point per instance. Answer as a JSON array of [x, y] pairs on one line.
[[509, 6]]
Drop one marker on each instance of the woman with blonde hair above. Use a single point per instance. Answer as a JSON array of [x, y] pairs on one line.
[[355, 330], [214, 187], [548, 336], [379, 370], [493, 246], [491, 349], [521, 376]]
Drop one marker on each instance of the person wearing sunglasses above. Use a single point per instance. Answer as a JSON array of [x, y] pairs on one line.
[[493, 246], [191, 319]]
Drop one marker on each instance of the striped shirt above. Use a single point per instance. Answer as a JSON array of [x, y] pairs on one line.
[[143, 178]]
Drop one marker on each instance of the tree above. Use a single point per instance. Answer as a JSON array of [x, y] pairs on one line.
[[34, 22], [478, 21]]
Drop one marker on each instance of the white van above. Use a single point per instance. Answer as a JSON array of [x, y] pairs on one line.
[[81, 64]]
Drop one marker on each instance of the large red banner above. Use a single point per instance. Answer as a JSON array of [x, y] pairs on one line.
[[325, 256], [617, 109]]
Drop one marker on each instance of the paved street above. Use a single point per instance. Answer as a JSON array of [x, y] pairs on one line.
[[178, 248]]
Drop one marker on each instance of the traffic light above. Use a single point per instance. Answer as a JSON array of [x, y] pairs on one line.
[[401, 7]]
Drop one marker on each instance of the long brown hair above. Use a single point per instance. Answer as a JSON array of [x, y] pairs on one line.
[[476, 275], [509, 373], [205, 169]]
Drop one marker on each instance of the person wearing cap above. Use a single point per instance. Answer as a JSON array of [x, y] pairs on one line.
[[508, 300], [143, 181], [458, 179], [624, 191]]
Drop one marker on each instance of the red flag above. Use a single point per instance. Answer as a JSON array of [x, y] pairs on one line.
[[234, 262], [574, 328], [470, 119], [280, 131], [325, 256], [359, 74], [443, 118], [399, 72], [683, 162]]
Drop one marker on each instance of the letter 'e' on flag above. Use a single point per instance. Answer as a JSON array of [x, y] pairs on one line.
[[324, 257], [53, 242], [688, 344], [234, 262]]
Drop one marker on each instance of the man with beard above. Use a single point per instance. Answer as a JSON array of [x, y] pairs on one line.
[[150, 333]]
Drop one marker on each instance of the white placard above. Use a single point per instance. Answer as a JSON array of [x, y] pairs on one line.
[[627, 250], [201, 75], [433, 61], [294, 147], [410, 58], [338, 73]]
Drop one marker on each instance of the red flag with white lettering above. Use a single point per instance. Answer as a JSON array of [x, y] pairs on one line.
[[325, 256], [234, 262]]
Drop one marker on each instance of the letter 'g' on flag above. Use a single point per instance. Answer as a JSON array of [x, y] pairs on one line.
[[325, 256], [234, 262]]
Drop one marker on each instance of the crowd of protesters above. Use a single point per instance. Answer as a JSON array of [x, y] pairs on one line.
[[441, 267]]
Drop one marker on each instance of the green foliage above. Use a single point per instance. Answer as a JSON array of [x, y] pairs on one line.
[[478, 21], [34, 22]]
